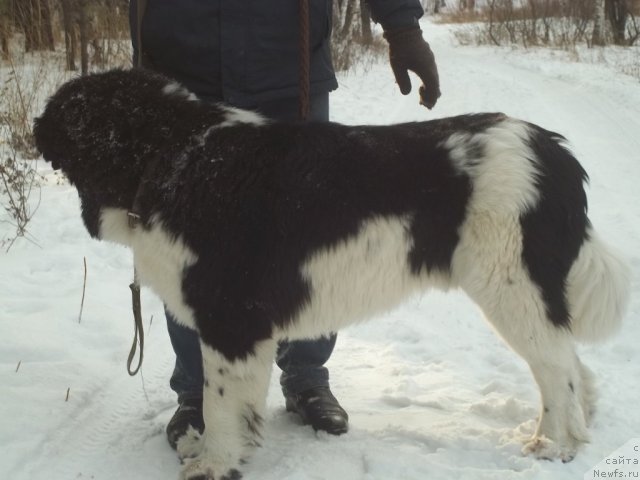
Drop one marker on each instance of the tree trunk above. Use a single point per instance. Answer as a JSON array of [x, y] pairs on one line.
[[46, 27], [84, 37], [69, 20], [597, 39], [34, 19], [467, 4], [365, 18], [4, 43], [347, 23], [618, 12], [4, 36], [533, 33]]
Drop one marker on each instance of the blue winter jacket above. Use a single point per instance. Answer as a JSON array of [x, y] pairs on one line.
[[246, 51]]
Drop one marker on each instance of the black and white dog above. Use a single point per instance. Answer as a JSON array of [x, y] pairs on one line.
[[254, 231]]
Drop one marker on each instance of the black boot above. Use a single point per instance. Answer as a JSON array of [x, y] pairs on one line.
[[320, 409], [189, 413]]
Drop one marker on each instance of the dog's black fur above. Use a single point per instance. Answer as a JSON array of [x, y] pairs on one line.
[[254, 201]]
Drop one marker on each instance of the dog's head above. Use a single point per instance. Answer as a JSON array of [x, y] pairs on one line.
[[101, 130], [97, 116]]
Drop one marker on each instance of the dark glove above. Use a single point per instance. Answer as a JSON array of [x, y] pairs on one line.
[[409, 51]]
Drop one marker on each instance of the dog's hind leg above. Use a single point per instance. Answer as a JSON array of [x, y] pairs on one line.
[[565, 394], [234, 399], [566, 386], [488, 266]]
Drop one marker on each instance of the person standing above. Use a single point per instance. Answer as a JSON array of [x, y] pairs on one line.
[[246, 54]]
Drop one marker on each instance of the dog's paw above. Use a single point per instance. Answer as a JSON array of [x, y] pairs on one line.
[[202, 469], [190, 445], [544, 448]]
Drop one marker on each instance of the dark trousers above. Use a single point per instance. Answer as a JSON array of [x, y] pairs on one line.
[[301, 362]]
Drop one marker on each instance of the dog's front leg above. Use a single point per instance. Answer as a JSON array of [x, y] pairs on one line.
[[233, 408]]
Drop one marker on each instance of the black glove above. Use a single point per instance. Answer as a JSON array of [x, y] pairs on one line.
[[409, 51]]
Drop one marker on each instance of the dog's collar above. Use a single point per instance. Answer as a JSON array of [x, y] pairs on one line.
[[133, 217], [133, 214]]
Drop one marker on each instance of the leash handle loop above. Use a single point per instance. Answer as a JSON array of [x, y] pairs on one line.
[[138, 335]]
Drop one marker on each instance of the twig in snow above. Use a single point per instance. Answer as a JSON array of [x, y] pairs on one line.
[[84, 286], [67, 397], [144, 387], [19, 363]]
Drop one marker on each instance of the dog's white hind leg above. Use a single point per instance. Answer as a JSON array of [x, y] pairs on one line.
[[566, 388], [234, 400], [563, 422], [565, 384], [488, 266]]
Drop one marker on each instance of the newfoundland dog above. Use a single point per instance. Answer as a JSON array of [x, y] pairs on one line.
[[253, 231]]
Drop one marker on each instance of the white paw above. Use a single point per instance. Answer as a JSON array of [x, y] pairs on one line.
[[544, 448], [202, 469], [190, 444]]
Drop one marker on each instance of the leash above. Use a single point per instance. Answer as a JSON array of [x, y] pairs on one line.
[[305, 82], [133, 218], [138, 332], [141, 7]]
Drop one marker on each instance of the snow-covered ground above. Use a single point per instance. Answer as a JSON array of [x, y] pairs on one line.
[[432, 393]]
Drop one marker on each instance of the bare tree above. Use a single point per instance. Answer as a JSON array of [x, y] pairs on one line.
[[348, 26], [35, 20], [365, 19], [83, 20], [438, 4], [467, 4], [633, 29], [5, 28], [597, 38], [75, 20], [70, 21], [618, 12], [351, 36]]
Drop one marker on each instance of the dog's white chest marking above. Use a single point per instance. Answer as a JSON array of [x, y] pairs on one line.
[[160, 259]]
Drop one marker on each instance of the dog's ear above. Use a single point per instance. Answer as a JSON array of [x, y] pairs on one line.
[[42, 140], [49, 139]]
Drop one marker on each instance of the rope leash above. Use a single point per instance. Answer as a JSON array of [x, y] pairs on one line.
[[141, 7], [305, 82], [138, 333], [134, 219]]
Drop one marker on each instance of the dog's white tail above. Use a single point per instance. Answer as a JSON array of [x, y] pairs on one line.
[[597, 291]]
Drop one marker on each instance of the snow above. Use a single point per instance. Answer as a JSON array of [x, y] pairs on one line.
[[431, 391]]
